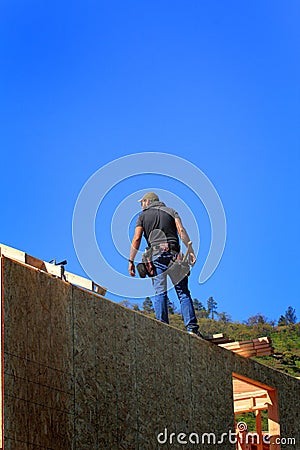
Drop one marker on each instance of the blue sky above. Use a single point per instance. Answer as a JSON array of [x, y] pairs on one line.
[[216, 83]]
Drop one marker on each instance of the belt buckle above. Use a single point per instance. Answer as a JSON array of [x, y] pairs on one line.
[[164, 247]]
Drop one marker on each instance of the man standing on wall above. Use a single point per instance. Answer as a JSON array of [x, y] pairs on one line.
[[161, 227]]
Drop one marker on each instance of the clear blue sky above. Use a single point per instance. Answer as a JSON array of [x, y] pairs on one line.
[[86, 82]]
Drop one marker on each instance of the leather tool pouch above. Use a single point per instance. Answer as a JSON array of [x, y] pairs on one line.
[[141, 268], [146, 267]]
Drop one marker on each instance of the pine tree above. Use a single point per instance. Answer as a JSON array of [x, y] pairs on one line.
[[224, 317], [290, 315], [211, 307], [148, 305], [198, 306], [282, 321]]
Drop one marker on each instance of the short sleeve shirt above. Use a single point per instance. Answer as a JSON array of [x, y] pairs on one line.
[[158, 223]]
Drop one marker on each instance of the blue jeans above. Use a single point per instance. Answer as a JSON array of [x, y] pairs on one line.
[[159, 282]]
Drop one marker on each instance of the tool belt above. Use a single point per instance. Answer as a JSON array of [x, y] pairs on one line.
[[146, 267], [162, 247]]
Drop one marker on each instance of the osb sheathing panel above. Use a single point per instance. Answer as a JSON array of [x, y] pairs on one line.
[[87, 393], [147, 383], [38, 349], [126, 379], [106, 374], [82, 372]]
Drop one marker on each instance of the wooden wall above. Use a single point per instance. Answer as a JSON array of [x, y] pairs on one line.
[[83, 373]]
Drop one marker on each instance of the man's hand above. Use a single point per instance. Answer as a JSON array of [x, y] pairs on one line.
[[135, 245], [192, 258], [131, 269], [186, 240]]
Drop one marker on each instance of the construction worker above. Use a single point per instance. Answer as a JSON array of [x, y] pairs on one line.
[[161, 226]]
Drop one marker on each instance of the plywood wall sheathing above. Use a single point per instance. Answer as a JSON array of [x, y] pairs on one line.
[[38, 352], [84, 373]]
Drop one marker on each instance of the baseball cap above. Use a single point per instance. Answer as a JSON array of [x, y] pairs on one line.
[[150, 196]]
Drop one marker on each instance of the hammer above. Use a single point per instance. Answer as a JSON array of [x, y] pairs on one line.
[[187, 251]]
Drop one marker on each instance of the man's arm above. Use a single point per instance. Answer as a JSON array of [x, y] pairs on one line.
[[185, 239], [135, 245]]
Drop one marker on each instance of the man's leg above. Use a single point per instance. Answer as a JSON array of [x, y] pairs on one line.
[[160, 286], [187, 307]]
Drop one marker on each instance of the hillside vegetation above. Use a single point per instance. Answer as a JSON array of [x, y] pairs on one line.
[[285, 333], [285, 339]]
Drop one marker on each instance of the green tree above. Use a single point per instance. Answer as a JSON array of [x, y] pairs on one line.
[[282, 321], [198, 306], [224, 317], [200, 309], [126, 303], [290, 315], [203, 314], [136, 307], [257, 319], [211, 307], [148, 305]]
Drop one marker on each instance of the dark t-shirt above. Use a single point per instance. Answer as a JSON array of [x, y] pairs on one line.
[[158, 222]]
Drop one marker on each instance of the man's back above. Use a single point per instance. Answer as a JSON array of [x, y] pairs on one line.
[[158, 222]]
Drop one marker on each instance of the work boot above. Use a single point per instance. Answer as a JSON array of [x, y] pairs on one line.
[[196, 333]]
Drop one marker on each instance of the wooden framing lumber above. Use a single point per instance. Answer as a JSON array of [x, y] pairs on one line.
[[12, 253], [246, 395], [248, 349], [52, 269], [219, 338]]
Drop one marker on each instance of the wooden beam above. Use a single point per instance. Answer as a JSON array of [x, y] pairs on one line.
[[260, 401], [237, 377], [99, 289], [245, 395], [247, 349], [250, 404], [219, 338], [12, 253], [52, 269], [247, 408], [35, 262], [258, 429]]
